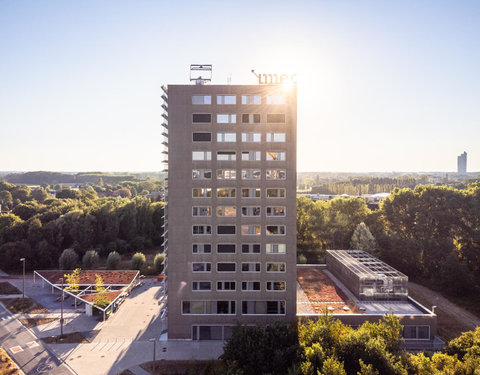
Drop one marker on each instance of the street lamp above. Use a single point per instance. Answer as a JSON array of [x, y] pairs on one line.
[[23, 280], [154, 350], [61, 311]]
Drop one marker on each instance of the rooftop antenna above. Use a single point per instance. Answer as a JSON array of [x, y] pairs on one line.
[[229, 79], [255, 74], [201, 73]]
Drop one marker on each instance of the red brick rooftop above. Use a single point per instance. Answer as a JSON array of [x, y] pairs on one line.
[[110, 295], [322, 292], [119, 277]]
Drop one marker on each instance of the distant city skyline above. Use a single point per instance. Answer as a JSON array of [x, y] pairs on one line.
[[382, 86]]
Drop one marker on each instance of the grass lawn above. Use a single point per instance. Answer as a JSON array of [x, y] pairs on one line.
[[7, 366], [33, 322], [164, 367], [23, 306], [7, 288]]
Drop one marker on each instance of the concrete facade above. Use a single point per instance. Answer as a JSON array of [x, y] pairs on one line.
[[234, 196]]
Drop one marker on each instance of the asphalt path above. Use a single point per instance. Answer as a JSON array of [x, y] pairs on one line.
[[29, 353]]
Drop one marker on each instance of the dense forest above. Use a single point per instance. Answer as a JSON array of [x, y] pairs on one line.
[[39, 227], [431, 233]]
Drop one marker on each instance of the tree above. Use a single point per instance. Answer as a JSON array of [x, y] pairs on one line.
[[67, 193], [157, 262], [68, 259], [90, 259], [113, 260], [6, 200], [138, 260], [39, 195], [73, 280], [101, 299], [362, 239]]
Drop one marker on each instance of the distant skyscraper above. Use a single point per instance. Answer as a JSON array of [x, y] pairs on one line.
[[462, 163]]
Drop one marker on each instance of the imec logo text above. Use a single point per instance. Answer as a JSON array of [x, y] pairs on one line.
[[264, 79]]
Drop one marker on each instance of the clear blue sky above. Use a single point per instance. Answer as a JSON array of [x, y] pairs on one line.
[[383, 85]]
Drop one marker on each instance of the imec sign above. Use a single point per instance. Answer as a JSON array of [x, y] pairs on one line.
[[268, 79]]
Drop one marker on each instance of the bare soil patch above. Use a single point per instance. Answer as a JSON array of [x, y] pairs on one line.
[[7, 366], [24, 306], [165, 367], [68, 338], [7, 288], [33, 322]]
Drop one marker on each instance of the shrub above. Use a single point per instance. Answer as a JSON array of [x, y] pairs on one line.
[[68, 259], [90, 259], [113, 260], [302, 259], [138, 260], [157, 262]]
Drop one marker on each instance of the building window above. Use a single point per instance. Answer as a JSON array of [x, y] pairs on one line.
[[226, 229], [251, 155], [201, 99], [416, 332], [202, 229], [226, 286], [201, 286], [226, 192], [276, 286], [273, 118], [250, 286], [251, 137], [201, 248], [201, 211], [251, 193], [251, 267], [226, 118], [201, 155], [226, 155], [276, 137], [276, 155], [276, 267], [263, 307], [276, 248], [275, 211], [228, 211], [226, 137], [208, 307], [251, 174], [202, 137], [275, 230], [202, 118], [251, 99], [201, 193], [226, 267], [226, 174], [226, 99], [251, 211], [251, 118], [276, 174], [275, 193], [211, 332], [226, 248], [201, 267], [251, 230], [276, 99], [201, 174], [251, 248]]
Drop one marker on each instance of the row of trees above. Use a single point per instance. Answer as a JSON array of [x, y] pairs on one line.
[[329, 347], [40, 229], [429, 233]]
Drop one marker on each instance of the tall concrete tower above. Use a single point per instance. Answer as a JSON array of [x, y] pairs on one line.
[[462, 163]]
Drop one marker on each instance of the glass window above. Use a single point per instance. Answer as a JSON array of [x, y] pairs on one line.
[[251, 118], [275, 193], [226, 174], [276, 99], [201, 155], [277, 286], [201, 248], [226, 118], [251, 174], [201, 267], [251, 137], [251, 193], [276, 137], [263, 307], [201, 118], [202, 137], [226, 229], [226, 155], [201, 211], [251, 211], [276, 155], [249, 286], [201, 286], [201, 193], [250, 155], [276, 174], [275, 118], [201, 99], [226, 267], [276, 267], [276, 248], [226, 248], [229, 211], [226, 137], [201, 174], [251, 229], [226, 192], [226, 99], [250, 267], [275, 211], [202, 229], [251, 248], [251, 99], [226, 285], [275, 230]]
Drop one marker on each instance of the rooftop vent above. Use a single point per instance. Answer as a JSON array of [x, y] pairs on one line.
[[200, 73]]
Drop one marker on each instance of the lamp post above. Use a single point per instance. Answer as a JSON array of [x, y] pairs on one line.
[[154, 350], [23, 280], [61, 309]]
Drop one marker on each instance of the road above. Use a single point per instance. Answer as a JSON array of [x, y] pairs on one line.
[[29, 353]]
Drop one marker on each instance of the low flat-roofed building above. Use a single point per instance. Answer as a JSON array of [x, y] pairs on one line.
[[319, 292]]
